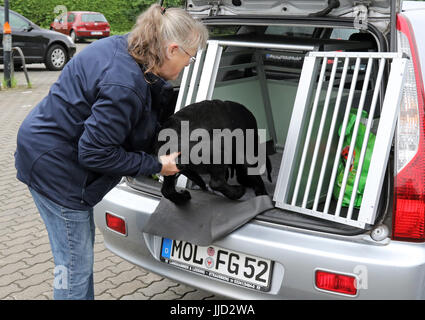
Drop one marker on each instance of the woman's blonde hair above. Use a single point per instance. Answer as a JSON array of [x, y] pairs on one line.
[[156, 28]]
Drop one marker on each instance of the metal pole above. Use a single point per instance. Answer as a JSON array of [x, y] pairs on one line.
[[7, 46], [393, 33]]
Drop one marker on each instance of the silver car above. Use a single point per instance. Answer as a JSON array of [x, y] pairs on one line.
[[338, 87]]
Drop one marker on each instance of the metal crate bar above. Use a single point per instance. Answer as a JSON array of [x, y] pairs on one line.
[[188, 89], [299, 115], [366, 136], [194, 81], [354, 137], [265, 94], [265, 45], [310, 128], [378, 161], [313, 148], [341, 138], [184, 87], [190, 81], [330, 134], [319, 134], [209, 72]]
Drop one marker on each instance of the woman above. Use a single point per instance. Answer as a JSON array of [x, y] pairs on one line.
[[96, 125]]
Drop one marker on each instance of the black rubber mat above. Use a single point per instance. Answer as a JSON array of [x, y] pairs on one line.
[[206, 218]]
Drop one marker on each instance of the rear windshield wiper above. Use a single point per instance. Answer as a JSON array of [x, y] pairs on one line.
[[332, 4]]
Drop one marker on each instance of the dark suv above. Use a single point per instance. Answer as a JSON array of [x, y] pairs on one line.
[[38, 45]]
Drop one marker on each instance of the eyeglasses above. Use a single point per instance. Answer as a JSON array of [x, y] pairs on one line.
[[192, 58]]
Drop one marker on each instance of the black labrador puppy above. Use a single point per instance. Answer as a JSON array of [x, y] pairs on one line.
[[216, 125]]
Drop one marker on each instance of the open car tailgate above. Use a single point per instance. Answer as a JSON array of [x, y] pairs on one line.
[[374, 8]]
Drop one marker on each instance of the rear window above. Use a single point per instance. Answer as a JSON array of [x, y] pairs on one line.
[[300, 32], [290, 31], [217, 31], [93, 17], [343, 34]]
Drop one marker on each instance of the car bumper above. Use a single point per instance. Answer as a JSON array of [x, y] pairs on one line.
[[89, 34], [386, 270], [72, 50]]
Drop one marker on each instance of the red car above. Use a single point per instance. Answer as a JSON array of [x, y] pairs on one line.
[[82, 25]]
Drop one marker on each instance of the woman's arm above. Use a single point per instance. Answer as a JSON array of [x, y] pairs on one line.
[[100, 149]]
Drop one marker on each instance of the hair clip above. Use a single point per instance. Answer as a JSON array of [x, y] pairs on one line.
[[163, 10]]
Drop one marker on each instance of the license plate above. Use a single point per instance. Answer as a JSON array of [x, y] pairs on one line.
[[219, 263], [96, 33]]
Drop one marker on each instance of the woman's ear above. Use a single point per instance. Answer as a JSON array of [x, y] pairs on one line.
[[172, 48]]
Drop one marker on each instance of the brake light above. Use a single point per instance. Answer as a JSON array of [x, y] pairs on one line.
[[335, 282], [409, 190], [116, 223]]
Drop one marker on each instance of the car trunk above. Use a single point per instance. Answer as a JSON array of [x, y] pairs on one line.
[[265, 78], [96, 25], [94, 21]]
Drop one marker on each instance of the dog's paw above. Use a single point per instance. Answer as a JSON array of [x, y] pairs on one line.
[[261, 192], [236, 193], [179, 198]]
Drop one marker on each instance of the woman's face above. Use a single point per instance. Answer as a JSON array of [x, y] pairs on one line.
[[176, 59]]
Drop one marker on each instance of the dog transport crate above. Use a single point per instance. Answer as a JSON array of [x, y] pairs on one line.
[[312, 148]]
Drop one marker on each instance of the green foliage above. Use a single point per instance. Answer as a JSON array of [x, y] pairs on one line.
[[121, 14], [13, 82]]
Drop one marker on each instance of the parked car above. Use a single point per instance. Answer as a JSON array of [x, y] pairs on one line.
[[38, 45], [288, 61], [81, 25]]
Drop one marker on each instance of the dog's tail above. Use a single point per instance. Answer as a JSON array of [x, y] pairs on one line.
[[269, 168]]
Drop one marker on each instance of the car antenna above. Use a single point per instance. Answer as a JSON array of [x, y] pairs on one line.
[[332, 4]]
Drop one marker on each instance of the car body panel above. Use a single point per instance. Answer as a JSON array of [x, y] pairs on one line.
[[33, 47], [416, 18], [296, 253], [377, 8]]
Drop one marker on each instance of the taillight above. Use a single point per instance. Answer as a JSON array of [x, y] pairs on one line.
[[409, 192], [335, 282], [116, 223]]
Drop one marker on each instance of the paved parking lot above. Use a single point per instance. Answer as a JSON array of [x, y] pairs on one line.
[[26, 263]]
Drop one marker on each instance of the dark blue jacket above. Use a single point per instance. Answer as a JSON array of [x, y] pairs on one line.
[[96, 125]]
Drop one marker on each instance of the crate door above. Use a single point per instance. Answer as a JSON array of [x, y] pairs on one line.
[[316, 156]]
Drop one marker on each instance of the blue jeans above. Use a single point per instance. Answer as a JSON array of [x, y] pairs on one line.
[[71, 234]]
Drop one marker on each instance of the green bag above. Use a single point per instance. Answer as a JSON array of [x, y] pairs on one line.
[[355, 160]]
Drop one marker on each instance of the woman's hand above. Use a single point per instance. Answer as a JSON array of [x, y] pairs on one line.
[[169, 164]]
